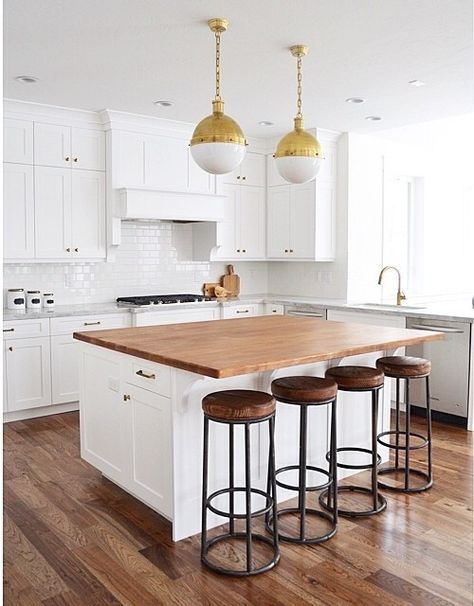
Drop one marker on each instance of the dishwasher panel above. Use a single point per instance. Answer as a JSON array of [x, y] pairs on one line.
[[449, 378]]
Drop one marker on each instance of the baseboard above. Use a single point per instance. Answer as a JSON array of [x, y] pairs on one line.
[[41, 411]]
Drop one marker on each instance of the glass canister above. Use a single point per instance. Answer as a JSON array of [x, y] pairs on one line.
[[33, 299], [48, 300], [16, 299]]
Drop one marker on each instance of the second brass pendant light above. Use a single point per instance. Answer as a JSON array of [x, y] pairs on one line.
[[218, 143]]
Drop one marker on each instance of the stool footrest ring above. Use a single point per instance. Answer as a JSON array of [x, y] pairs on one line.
[[353, 449], [382, 503], [416, 472], [423, 444], [308, 488], [304, 540], [240, 573], [239, 516]]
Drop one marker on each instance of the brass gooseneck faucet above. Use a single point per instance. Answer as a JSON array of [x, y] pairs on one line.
[[400, 295]]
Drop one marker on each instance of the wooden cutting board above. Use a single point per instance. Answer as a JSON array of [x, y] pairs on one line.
[[231, 281]]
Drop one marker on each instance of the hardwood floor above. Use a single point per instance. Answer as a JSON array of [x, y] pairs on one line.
[[72, 538]]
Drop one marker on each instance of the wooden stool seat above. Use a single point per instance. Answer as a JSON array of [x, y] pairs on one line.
[[356, 377], [304, 389], [404, 366], [238, 404]]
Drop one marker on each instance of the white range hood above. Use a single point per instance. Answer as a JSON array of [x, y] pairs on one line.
[[169, 205]]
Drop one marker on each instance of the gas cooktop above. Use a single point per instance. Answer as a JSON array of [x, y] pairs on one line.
[[145, 300]]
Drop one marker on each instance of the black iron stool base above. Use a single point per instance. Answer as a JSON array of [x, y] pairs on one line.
[[304, 540], [381, 502], [244, 537], [416, 472], [393, 432]]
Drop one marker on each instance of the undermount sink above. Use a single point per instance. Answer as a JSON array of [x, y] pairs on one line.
[[388, 306]]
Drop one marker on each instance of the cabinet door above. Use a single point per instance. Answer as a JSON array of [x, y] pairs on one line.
[[88, 214], [53, 213], [226, 229], [325, 227], [18, 141], [199, 180], [252, 170], [166, 163], [278, 222], [129, 170], [28, 373], [232, 178], [251, 222], [18, 212], [88, 149], [52, 145], [64, 369], [104, 437], [273, 176], [149, 422], [5, 379], [302, 221], [239, 311]]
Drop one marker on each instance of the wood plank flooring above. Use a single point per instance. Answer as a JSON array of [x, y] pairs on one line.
[[72, 538]]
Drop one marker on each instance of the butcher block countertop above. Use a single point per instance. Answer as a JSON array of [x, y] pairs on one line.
[[227, 348]]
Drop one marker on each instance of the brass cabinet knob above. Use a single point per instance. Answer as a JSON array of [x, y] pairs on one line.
[[67, 158], [126, 398], [75, 159], [76, 250], [68, 250], [291, 250], [244, 250], [238, 250], [286, 250], [10, 349], [244, 178], [238, 177]]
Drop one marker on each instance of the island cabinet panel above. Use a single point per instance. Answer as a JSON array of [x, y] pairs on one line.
[[148, 447], [103, 415], [64, 369]]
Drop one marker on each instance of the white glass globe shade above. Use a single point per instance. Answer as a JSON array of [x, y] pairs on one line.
[[218, 158], [298, 169]]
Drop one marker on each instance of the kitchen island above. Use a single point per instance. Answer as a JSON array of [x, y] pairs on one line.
[[141, 392]]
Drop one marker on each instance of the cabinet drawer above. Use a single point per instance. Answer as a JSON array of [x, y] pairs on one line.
[[274, 309], [19, 329], [240, 311], [68, 325], [153, 377]]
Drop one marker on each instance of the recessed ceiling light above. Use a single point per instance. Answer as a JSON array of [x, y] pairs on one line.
[[417, 83], [373, 118], [27, 79], [163, 103], [266, 123], [355, 100]]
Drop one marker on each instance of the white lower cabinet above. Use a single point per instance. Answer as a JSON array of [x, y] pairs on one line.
[[64, 369], [28, 373], [149, 447], [155, 318], [240, 311]]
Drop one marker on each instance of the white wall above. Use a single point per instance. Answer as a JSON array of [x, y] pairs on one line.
[[152, 259]]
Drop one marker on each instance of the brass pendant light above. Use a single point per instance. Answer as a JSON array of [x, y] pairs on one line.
[[218, 143], [298, 155]]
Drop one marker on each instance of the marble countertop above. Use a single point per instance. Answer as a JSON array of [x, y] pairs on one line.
[[434, 311]]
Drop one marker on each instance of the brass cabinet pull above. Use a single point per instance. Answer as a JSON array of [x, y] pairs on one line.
[[242, 311], [91, 323], [140, 373], [291, 250], [67, 158], [68, 250], [8, 330], [126, 397], [10, 349], [244, 178], [244, 250], [76, 250], [238, 177], [286, 250], [75, 159], [238, 250]]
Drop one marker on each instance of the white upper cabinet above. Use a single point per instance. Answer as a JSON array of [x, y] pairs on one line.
[[301, 222], [52, 213], [18, 212], [250, 172], [18, 141], [52, 145], [88, 149], [66, 146], [199, 180], [273, 176], [88, 214], [166, 163]]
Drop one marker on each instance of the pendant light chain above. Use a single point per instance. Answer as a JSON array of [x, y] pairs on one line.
[[218, 66], [299, 87]]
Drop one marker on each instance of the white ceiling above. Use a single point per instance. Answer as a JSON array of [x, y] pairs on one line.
[[124, 54]]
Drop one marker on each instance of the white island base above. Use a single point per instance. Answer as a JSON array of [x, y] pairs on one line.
[[141, 425]]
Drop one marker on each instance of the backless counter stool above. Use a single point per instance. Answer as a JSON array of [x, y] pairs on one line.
[[305, 392], [407, 368], [239, 407], [360, 379]]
